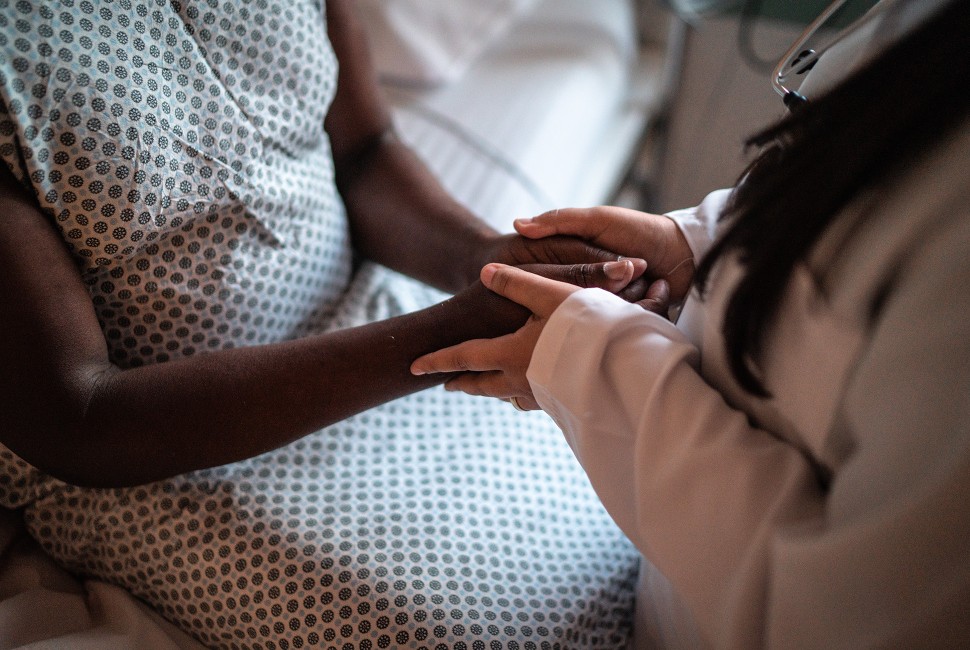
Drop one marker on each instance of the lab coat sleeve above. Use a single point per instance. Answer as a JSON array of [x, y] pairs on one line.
[[736, 518], [700, 224]]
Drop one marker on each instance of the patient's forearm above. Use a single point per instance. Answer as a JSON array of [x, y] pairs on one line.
[[399, 214], [157, 421], [402, 218]]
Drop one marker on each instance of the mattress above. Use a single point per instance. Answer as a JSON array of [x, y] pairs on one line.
[[548, 117]]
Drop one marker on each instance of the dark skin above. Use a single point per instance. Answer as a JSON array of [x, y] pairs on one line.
[[67, 410]]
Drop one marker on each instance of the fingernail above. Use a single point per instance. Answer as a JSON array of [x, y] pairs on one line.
[[632, 260], [488, 272], [617, 270], [524, 221]]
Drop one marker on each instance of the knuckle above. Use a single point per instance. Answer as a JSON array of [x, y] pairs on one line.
[[551, 251], [570, 274]]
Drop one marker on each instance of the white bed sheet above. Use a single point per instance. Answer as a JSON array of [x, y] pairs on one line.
[[533, 124], [42, 607], [429, 42]]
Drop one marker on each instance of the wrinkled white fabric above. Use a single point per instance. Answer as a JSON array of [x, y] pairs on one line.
[[428, 42]]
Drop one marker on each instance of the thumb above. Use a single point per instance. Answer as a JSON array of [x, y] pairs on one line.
[[539, 295], [561, 221]]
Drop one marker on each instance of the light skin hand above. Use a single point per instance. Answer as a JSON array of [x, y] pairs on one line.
[[497, 367], [651, 237]]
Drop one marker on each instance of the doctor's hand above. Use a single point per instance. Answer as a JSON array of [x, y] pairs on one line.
[[497, 367], [654, 238]]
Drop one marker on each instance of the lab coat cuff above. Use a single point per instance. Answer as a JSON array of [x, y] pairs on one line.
[[700, 224], [567, 354]]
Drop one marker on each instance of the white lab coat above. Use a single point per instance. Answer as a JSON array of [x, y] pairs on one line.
[[746, 545]]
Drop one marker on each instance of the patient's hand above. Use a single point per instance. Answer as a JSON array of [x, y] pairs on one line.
[[580, 262], [651, 237], [497, 367]]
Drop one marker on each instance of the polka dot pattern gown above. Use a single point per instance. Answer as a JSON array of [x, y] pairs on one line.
[[177, 147]]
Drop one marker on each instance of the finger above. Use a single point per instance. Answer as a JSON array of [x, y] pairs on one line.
[[658, 298], [636, 290], [561, 221], [487, 384], [476, 355], [527, 403], [588, 223], [567, 250], [539, 295], [611, 276], [484, 384]]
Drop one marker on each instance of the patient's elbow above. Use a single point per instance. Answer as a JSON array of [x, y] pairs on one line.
[[71, 454], [49, 428]]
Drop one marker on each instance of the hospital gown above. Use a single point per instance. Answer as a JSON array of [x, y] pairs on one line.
[[178, 149]]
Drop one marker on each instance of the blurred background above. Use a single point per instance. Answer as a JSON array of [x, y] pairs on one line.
[[722, 93], [521, 106]]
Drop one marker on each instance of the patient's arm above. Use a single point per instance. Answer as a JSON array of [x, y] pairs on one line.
[[400, 215], [66, 409]]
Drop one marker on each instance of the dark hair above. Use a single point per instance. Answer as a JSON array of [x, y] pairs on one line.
[[824, 154]]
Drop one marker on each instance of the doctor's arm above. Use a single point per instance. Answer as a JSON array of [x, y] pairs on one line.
[[66, 409], [760, 551]]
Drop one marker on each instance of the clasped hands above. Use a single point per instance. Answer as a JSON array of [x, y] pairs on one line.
[[654, 269]]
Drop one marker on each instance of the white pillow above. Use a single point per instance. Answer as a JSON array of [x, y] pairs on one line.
[[431, 42]]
